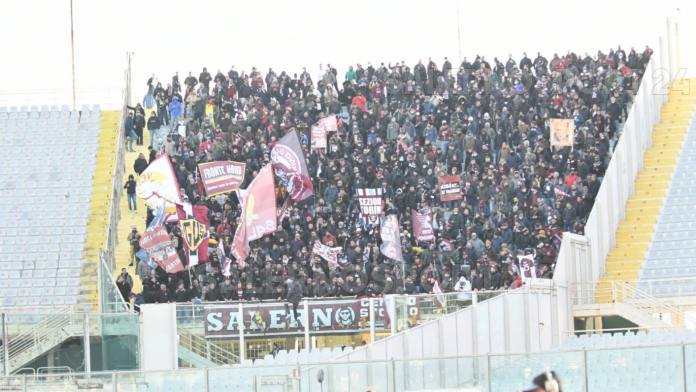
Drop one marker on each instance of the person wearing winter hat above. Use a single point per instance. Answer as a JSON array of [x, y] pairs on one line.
[[547, 381], [175, 111]]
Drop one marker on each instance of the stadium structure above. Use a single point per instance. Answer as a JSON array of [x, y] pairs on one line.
[[619, 313]]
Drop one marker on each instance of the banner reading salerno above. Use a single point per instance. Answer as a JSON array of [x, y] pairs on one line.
[[325, 317]]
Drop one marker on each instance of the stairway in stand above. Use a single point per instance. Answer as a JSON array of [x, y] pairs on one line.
[[99, 206], [643, 209]]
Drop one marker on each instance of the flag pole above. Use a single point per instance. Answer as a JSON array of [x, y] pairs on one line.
[[72, 45]]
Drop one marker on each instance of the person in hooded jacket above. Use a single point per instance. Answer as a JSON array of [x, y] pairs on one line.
[[130, 192]]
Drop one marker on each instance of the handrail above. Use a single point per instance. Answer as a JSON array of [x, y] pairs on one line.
[[110, 293], [42, 332], [678, 284], [605, 330], [587, 293], [207, 349], [107, 257], [48, 369], [651, 304]]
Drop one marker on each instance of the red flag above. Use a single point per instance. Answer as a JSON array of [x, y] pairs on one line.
[[198, 181], [158, 246], [385, 309], [188, 212], [290, 166], [329, 123], [423, 225], [258, 212]]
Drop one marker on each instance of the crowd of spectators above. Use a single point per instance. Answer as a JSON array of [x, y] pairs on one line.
[[400, 127]]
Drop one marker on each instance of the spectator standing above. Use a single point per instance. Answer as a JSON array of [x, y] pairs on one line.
[[140, 164], [130, 192], [134, 240], [130, 132]]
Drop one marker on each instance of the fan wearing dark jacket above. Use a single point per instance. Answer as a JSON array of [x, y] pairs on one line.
[[162, 295]]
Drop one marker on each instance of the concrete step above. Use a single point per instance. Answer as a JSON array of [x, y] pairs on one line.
[[638, 203], [629, 265]]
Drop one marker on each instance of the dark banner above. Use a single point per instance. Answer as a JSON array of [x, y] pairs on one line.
[[450, 188], [325, 317]]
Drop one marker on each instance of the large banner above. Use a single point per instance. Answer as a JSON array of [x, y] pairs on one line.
[[194, 229], [290, 166], [370, 204], [325, 317], [391, 240], [329, 123], [259, 214], [318, 137], [159, 247], [450, 188], [158, 184], [562, 132], [221, 177], [423, 225]]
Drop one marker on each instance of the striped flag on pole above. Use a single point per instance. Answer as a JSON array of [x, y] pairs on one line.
[[559, 192]]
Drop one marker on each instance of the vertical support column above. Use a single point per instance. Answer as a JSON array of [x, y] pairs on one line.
[[372, 321], [87, 348], [393, 317], [392, 376], [585, 382], [488, 372], [308, 343], [670, 47], [5, 346], [242, 348], [664, 66], [682, 358]]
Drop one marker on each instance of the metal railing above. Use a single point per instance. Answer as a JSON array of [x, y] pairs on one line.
[[617, 292], [43, 336], [107, 257], [674, 287], [207, 349], [580, 370], [111, 300]]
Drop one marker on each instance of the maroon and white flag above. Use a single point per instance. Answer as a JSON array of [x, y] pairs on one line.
[[559, 192], [290, 166], [423, 225], [370, 205], [527, 270], [440, 294], [327, 253], [159, 247], [391, 240]]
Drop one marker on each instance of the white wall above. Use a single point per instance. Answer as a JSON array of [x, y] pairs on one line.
[[158, 337], [528, 319]]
